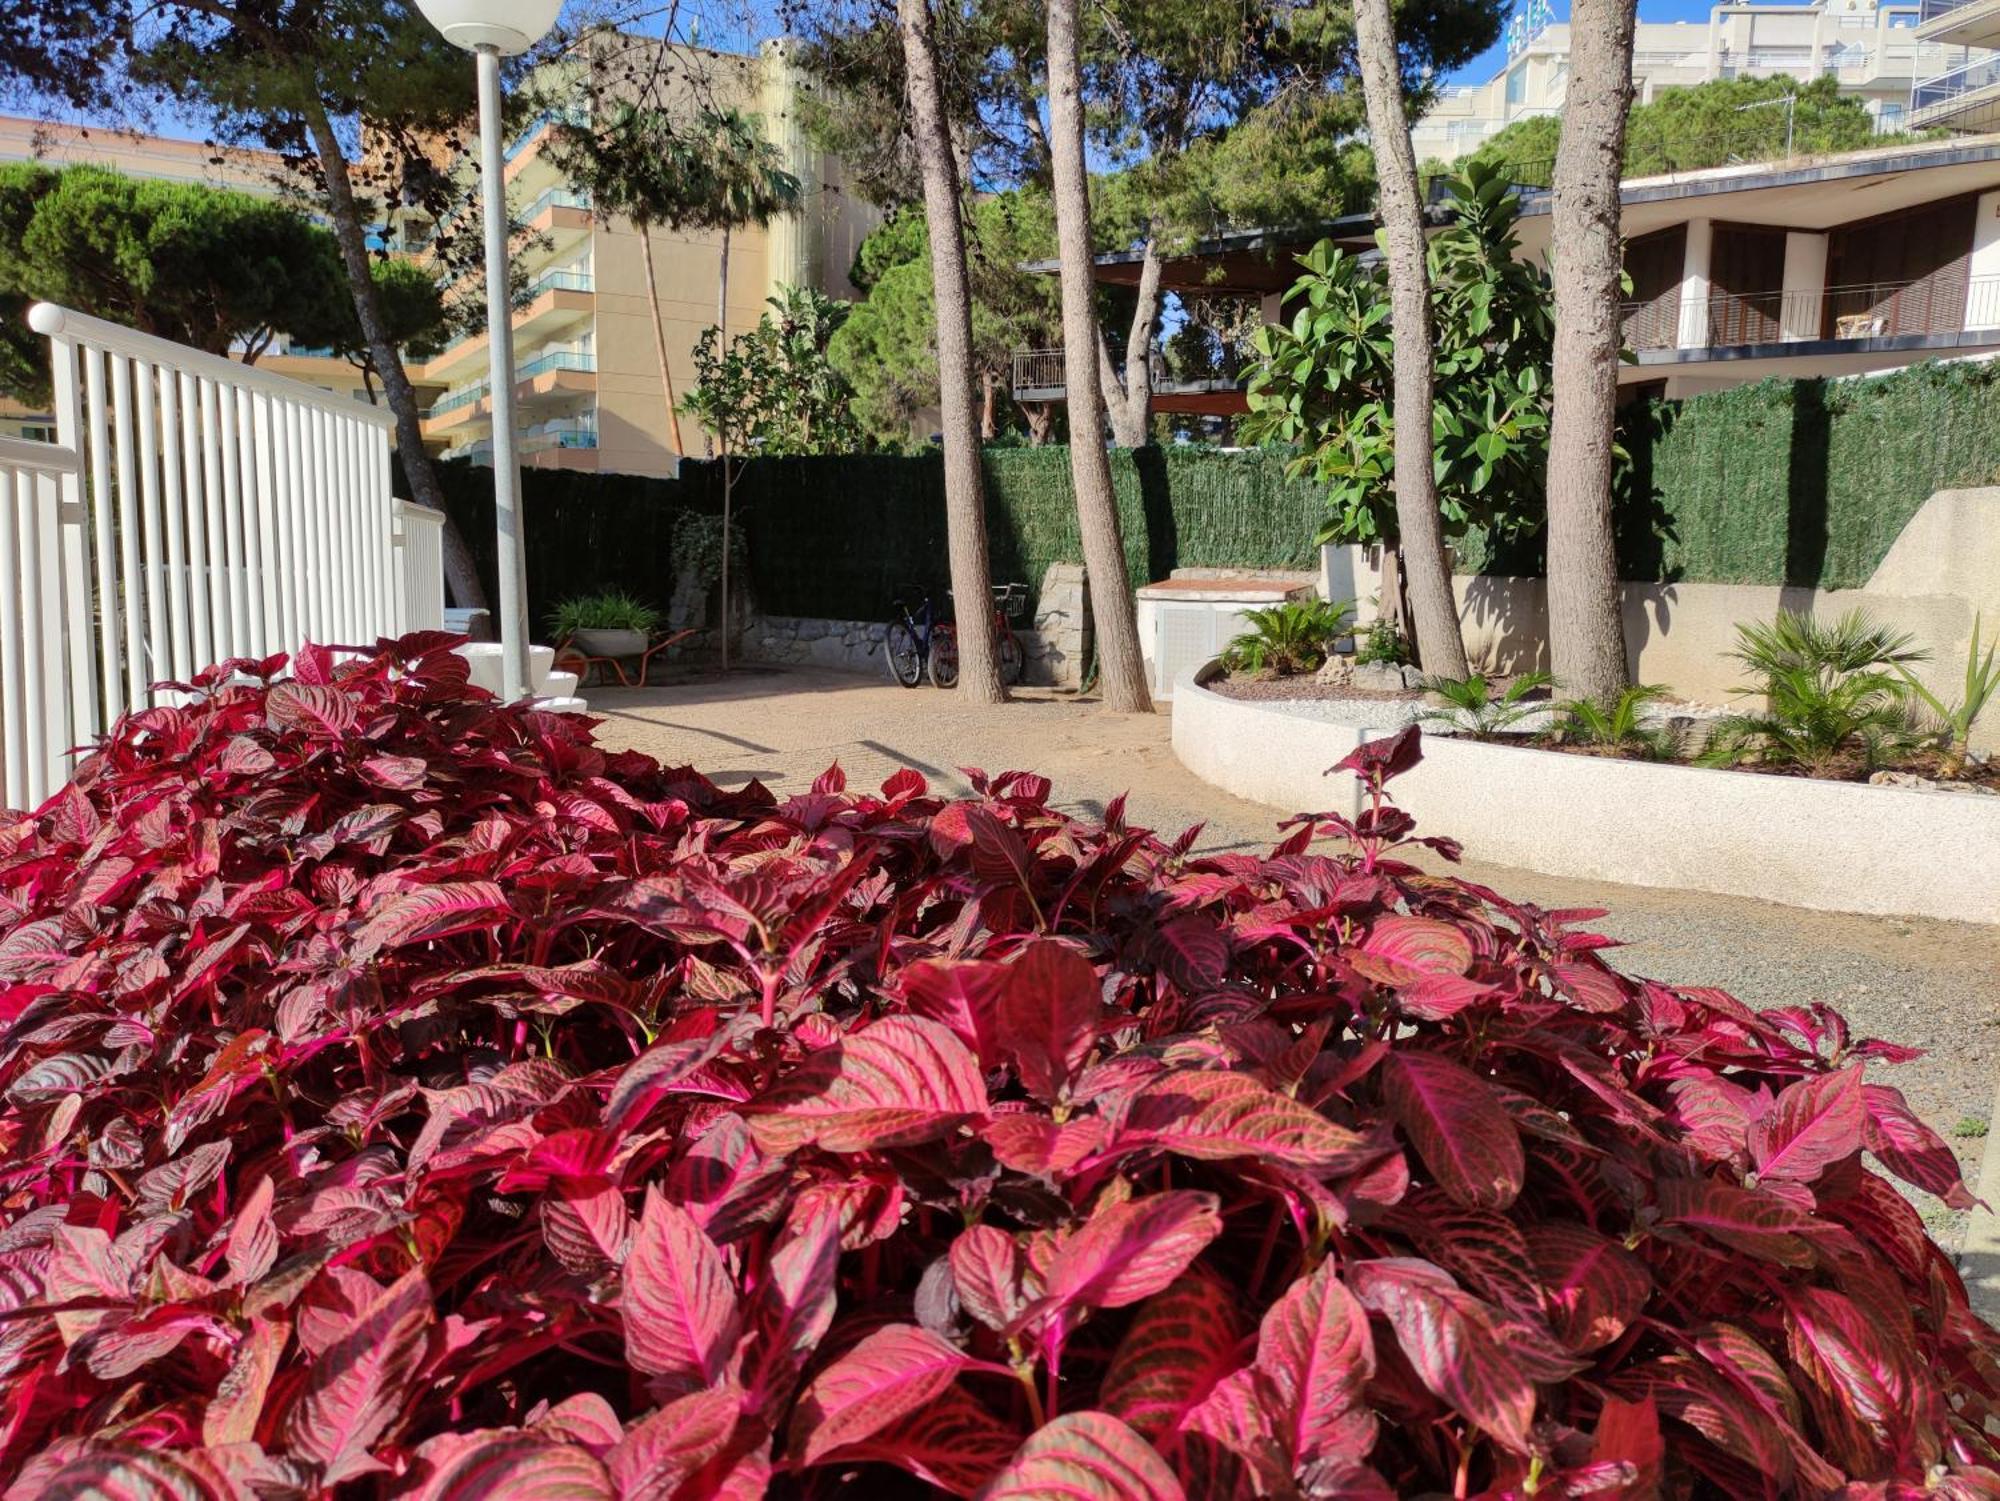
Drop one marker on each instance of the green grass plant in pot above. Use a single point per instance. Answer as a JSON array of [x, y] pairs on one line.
[[608, 624]]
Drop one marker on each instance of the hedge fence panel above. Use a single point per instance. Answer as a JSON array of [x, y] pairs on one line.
[[1798, 482]]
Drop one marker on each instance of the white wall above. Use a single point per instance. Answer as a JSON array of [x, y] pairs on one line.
[[1982, 288], [1805, 285], [1695, 284]]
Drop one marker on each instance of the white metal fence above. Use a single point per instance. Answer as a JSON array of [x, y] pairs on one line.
[[191, 509]]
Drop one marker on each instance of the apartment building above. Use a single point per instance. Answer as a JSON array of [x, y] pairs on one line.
[[588, 392], [1839, 265], [1880, 53], [1967, 95]]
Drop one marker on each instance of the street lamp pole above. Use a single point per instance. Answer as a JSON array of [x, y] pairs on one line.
[[491, 29], [500, 382]]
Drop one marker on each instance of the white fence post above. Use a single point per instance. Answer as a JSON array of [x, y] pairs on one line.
[[190, 509]]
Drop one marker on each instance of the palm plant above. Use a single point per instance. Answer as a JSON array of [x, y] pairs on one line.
[[1830, 692], [1954, 721], [1472, 709], [1288, 638], [745, 183], [1620, 726]]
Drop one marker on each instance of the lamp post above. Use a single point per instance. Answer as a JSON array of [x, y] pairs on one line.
[[491, 29]]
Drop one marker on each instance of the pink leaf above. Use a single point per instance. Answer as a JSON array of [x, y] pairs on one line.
[[309, 707], [1448, 1336], [898, 1082], [519, 1465], [1036, 1144], [1316, 1350], [1755, 1223], [1178, 1345], [1815, 1123], [1909, 1148], [425, 913], [1084, 1454], [678, 1302], [952, 1442], [1215, 1116], [663, 1449], [360, 1383], [1593, 1287], [1047, 1018], [889, 1375], [986, 1270], [1464, 1135], [1128, 1252]]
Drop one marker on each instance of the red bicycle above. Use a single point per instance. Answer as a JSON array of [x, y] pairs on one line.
[[1009, 602]]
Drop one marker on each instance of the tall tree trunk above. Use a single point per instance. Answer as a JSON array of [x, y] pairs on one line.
[[1419, 525], [1131, 408], [721, 444], [1041, 419], [989, 406], [728, 521], [1121, 670], [1586, 630], [461, 575], [659, 332], [964, 484], [722, 298]]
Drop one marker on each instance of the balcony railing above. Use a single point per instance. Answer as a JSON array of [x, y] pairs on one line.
[[1930, 10], [1966, 80], [1876, 310], [566, 280], [554, 198], [1039, 375], [556, 359]]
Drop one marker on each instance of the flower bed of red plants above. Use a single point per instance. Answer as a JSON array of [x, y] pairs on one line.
[[403, 1096]]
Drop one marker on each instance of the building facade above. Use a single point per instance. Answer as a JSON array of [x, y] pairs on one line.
[[588, 390], [1880, 53]]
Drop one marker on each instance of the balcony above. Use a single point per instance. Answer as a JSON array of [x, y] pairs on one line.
[[1039, 377], [559, 372], [1967, 98], [1879, 310], [1962, 23]]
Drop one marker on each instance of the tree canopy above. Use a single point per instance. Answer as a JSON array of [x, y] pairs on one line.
[[208, 267], [1708, 125], [772, 391], [1326, 373]]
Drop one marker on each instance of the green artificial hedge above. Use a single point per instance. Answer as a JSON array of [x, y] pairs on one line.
[[1794, 482]]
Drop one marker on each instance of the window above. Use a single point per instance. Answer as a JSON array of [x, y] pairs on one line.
[[1517, 85]]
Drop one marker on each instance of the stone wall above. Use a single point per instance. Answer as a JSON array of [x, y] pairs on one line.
[[1055, 648]]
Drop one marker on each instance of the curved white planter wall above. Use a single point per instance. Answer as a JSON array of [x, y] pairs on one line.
[[1835, 846]]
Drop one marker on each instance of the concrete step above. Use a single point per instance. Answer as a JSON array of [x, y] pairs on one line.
[[558, 684], [571, 705], [484, 657]]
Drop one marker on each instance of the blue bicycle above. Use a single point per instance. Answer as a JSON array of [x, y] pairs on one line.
[[914, 630]]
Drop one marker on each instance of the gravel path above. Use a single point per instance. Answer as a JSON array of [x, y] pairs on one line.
[[1915, 980]]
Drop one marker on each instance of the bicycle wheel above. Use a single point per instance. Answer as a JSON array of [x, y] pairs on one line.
[[905, 657], [944, 657], [1010, 658]]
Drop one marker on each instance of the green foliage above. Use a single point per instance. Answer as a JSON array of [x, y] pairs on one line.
[[1288, 638], [774, 391], [1383, 642], [698, 547], [1471, 707], [1707, 125], [201, 266], [888, 348], [1324, 379], [1970, 1128], [1955, 719], [1620, 726], [640, 163], [609, 610], [1830, 693]]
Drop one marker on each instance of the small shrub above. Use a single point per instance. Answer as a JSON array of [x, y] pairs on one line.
[[402, 1095], [1829, 694], [1288, 638], [612, 610], [1621, 727], [1471, 707], [1970, 1128], [1953, 722], [1382, 642]]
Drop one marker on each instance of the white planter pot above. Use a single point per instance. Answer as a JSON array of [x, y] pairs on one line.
[[602, 642]]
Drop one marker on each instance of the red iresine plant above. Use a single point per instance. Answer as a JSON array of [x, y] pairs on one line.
[[404, 1096]]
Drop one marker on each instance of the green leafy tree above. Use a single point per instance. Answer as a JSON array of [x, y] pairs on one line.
[[1325, 377], [888, 348], [1707, 125], [772, 391], [202, 266]]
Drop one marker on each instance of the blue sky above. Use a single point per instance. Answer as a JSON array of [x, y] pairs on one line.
[[1481, 68]]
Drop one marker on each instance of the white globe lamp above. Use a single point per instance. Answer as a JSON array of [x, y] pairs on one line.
[[507, 26], [492, 29]]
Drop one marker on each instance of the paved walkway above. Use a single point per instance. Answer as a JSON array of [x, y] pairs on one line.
[[1924, 982]]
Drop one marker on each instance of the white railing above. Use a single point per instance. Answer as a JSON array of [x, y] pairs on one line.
[[420, 566], [191, 509]]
